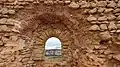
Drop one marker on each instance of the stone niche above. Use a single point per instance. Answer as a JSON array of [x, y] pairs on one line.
[[42, 27]]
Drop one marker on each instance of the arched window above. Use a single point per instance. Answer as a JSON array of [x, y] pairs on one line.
[[53, 47]]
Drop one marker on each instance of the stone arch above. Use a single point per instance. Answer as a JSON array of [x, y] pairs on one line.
[[41, 27]]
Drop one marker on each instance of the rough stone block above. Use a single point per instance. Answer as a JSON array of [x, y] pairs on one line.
[[103, 27], [112, 26], [105, 35], [100, 10], [93, 5], [103, 18], [85, 5], [94, 28], [111, 4], [102, 4], [11, 0], [108, 10], [91, 18], [73, 5], [3, 21], [111, 17], [4, 11], [11, 12], [94, 10]]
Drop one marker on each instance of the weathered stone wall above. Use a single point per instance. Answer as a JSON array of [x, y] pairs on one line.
[[89, 32]]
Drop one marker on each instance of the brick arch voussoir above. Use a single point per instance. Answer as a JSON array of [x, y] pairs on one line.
[[32, 23]]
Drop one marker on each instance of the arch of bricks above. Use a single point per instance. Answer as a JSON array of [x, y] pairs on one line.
[[48, 25]]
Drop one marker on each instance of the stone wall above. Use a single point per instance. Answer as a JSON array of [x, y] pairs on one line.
[[89, 32]]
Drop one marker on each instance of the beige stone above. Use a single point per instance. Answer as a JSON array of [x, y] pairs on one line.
[[67, 2], [105, 35], [118, 18], [85, 5], [94, 10], [103, 18], [4, 11], [117, 10], [3, 21], [4, 28], [111, 17], [73, 5], [111, 4], [101, 3], [118, 26], [11, 0], [10, 43], [94, 28], [117, 57], [107, 10], [3, 0], [1, 43], [112, 26], [118, 4], [48, 2], [29, 0], [100, 10], [11, 12], [91, 18], [93, 5], [103, 27]]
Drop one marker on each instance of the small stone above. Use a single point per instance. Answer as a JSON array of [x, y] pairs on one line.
[[111, 17], [112, 26], [10, 43], [118, 22], [112, 31], [93, 5], [1, 43], [103, 26], [111, 4], [117, 14], [118, 31], [11, 11], [14, 38], [73, 5], [86, 11], [118, 18], [4, 11], [61, 2], [117, 57], [5, 16], [94, 28], [4, 28], [94, 10], [108, 10], [85, 5], [118, 26], [91, 18], [105, 35], [106, 22], [100, 10], [118, 4], [11, 0], [101, 3], [93, 22], [3, 21], [103, 18], [29, 0], [2, 64], [116, 10], [48, 2], [3, 0], [67, 2]]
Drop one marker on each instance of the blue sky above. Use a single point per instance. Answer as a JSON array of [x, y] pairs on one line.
[[53, 43]]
